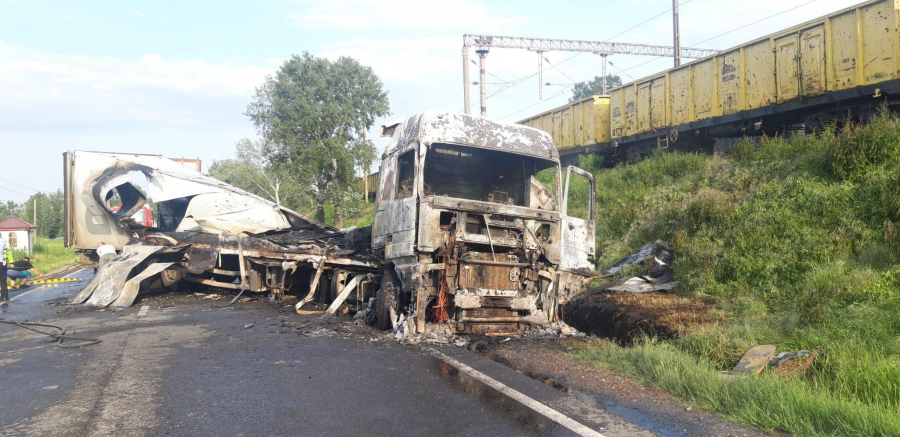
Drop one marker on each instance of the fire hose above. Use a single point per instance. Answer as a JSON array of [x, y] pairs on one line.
[[59, 336]]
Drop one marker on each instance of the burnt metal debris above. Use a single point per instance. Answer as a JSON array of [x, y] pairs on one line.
[[659, 258], [470, 231]]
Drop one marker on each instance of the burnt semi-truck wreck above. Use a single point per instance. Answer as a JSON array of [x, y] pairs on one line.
[[474, 226], [467, 231]]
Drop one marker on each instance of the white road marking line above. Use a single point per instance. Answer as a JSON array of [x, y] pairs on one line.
[[143, 310], [44, 285], [538, 407]]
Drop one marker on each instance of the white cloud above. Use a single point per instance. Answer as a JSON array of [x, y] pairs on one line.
[[76, 92], [401, 14], [25, 71], [328, 21]]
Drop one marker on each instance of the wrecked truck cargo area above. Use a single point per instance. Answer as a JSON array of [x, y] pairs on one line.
[[474, 230], [209, 233]]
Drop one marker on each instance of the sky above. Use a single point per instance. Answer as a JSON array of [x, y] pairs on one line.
[[174, 77]]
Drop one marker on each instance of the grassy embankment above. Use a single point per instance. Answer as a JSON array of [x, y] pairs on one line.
[[48, 255], [799, 243]]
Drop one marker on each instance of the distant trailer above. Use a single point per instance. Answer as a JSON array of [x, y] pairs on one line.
[[836, 67], [193, 164]]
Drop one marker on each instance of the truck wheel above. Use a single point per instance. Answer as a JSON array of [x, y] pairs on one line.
[[171, 279], [387, 301]]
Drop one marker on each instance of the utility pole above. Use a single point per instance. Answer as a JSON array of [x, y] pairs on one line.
[[465, 56], [34, 211], [482, 53], [604, 55], [676, 34], [540, 54]]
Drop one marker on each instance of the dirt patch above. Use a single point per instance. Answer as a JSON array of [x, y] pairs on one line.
[[624, 316]]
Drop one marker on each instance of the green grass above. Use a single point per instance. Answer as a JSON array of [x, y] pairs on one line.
[[766, 401], [799, 242], [48, 255]]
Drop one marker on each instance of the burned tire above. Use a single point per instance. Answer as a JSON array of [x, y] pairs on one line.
[[171, 279], [387, 301]]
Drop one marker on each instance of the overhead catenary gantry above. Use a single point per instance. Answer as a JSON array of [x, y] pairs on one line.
[[483, 43]]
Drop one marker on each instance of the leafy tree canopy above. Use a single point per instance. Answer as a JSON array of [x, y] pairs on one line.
[[594, 86], [314, 113]]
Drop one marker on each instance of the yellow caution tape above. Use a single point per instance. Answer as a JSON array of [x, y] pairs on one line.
[[51, 281]]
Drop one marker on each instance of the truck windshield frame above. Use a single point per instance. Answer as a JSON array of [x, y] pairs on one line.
[[485, 175]]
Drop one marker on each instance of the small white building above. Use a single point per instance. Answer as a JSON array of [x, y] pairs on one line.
[[17, 233]]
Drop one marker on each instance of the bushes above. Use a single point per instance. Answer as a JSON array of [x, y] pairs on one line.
[[799, 241]]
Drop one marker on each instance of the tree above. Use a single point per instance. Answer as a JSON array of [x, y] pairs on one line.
[[314, 113], [253, 171], [594, 86]]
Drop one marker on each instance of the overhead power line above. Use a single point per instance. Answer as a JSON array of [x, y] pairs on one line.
[[19, 185], [14, 191], [757, 21]]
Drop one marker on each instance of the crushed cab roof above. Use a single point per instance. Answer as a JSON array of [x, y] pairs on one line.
[[449, 127]]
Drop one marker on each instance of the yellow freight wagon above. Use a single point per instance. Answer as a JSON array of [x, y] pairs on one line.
[[850, 48], [577, 124], [810, 73]]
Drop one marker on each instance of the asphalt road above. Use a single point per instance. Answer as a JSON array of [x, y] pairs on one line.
[[173, 364]]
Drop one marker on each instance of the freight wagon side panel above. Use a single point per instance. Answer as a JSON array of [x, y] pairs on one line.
[[555, 127], [630, 105], [601, 120], [879, 62], [704, 88], [680, 99], [616, 113], [812, 61], [845, 51], [643, 107], [566, 128], [787, 72], [578, 123], [658, 103], [730, 83], [759, 66]]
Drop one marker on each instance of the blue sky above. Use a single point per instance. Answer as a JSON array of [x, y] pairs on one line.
[[174, 78]]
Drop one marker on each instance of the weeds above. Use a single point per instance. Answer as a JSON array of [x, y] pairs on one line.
[[48, 255], [799, 241]]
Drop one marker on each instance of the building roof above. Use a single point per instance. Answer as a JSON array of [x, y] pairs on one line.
[[15, 224]]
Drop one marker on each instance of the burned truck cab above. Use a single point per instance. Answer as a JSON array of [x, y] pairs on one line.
[[477, 225]]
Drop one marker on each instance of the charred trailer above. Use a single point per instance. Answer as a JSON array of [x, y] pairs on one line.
[[208, 234], [477, 225]]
